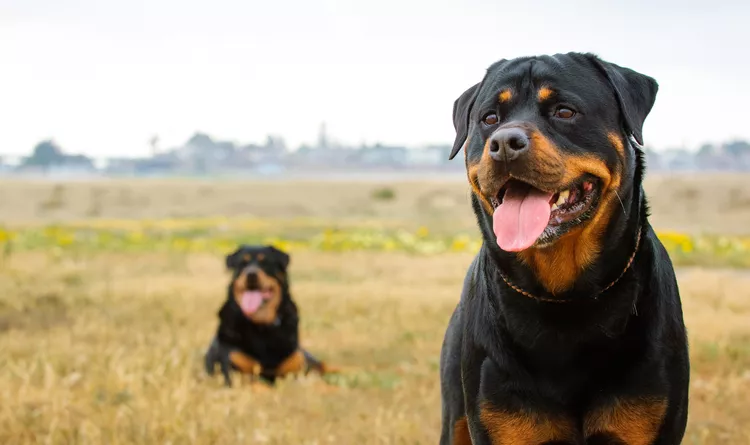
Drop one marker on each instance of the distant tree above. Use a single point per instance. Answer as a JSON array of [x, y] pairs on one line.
[[737, 148], [46, 154], [201, 141], [706, 150]]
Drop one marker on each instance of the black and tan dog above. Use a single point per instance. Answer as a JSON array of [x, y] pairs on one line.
[[569, 329], [258, 332]]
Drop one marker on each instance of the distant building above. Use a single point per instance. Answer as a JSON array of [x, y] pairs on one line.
[[384, 156], [428, 156], [678, 159]]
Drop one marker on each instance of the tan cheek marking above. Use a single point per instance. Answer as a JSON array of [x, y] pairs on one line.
[[635, 422], [506, 428], [238, 287], [576, 166], [546, 153], [473, 174], [505, 96], [616, 142], [560, 265], [474, 182], [591, 236], [543, 94]]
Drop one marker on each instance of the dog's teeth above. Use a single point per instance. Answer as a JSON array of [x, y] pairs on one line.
[[563, 197], [555, 207]]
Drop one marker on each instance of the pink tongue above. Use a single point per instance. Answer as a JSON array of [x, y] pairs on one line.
[[251, 301], [521, 218]]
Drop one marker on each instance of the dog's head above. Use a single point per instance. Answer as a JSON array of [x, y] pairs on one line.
[[259, 281], [549, 157]]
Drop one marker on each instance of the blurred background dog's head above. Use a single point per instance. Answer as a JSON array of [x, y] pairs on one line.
[[259, 281]]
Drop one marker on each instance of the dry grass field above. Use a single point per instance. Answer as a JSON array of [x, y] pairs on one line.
[[106, 346]]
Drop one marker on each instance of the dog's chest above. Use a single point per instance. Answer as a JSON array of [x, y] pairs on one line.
[[572, 407], [268, 345]]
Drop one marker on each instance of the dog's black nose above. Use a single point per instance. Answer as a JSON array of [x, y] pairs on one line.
[[252, 281], [508, 144]]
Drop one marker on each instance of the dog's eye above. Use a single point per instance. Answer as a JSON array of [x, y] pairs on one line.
[[490, 119], [564, 113]]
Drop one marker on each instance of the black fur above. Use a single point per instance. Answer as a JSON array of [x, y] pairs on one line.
[[526, 355]]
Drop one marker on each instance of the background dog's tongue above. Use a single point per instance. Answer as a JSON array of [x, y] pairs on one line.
[[522, 217], [251, 301]]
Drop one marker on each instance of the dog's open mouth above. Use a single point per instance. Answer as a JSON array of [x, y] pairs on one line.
[[252, 300], [525, 215]]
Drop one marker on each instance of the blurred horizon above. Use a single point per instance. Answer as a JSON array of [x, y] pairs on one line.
[[204, 156]]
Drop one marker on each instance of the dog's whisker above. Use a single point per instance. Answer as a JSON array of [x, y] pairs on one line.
[[621, 203]]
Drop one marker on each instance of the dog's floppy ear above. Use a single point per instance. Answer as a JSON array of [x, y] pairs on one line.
[[281, 256], [461, 111], [635, 93], [233, 259]]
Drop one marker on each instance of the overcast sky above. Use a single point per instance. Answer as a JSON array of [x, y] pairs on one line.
[[102, 76]]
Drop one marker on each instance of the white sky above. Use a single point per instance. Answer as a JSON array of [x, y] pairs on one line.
[[102, 76]]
